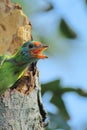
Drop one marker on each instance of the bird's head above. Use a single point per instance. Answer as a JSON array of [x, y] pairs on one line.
[[33, 50]]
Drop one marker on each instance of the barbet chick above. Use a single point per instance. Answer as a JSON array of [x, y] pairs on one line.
[[12, 67]]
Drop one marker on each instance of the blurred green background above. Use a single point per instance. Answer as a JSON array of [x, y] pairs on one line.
[[62, 24]]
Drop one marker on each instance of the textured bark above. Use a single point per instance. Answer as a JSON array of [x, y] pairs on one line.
[[20, 105], [19, 111], [15, 28]]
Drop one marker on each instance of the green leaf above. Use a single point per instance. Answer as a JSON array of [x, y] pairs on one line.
[[57, 122], [66, 30], [56, 89], [49, 8], [86, 1]]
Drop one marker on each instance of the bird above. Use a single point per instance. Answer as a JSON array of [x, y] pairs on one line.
[[12, 67]]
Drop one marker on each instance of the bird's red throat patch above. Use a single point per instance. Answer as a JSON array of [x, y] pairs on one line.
[[37, 52]]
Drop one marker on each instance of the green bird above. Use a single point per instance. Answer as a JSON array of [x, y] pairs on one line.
[[12, 67]]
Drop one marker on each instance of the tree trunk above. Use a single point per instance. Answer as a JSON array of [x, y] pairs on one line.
[[20, 107]]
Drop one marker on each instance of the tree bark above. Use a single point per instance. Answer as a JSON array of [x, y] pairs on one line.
[[21, 106]]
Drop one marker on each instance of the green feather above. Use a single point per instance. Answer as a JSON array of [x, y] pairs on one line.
[[12, 67]]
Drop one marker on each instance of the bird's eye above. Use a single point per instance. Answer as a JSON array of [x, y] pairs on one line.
[[30, 46]]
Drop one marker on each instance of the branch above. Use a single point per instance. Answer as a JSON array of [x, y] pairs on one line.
[[20, 105]]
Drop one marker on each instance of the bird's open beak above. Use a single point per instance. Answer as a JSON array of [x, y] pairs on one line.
[[37, 52]]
